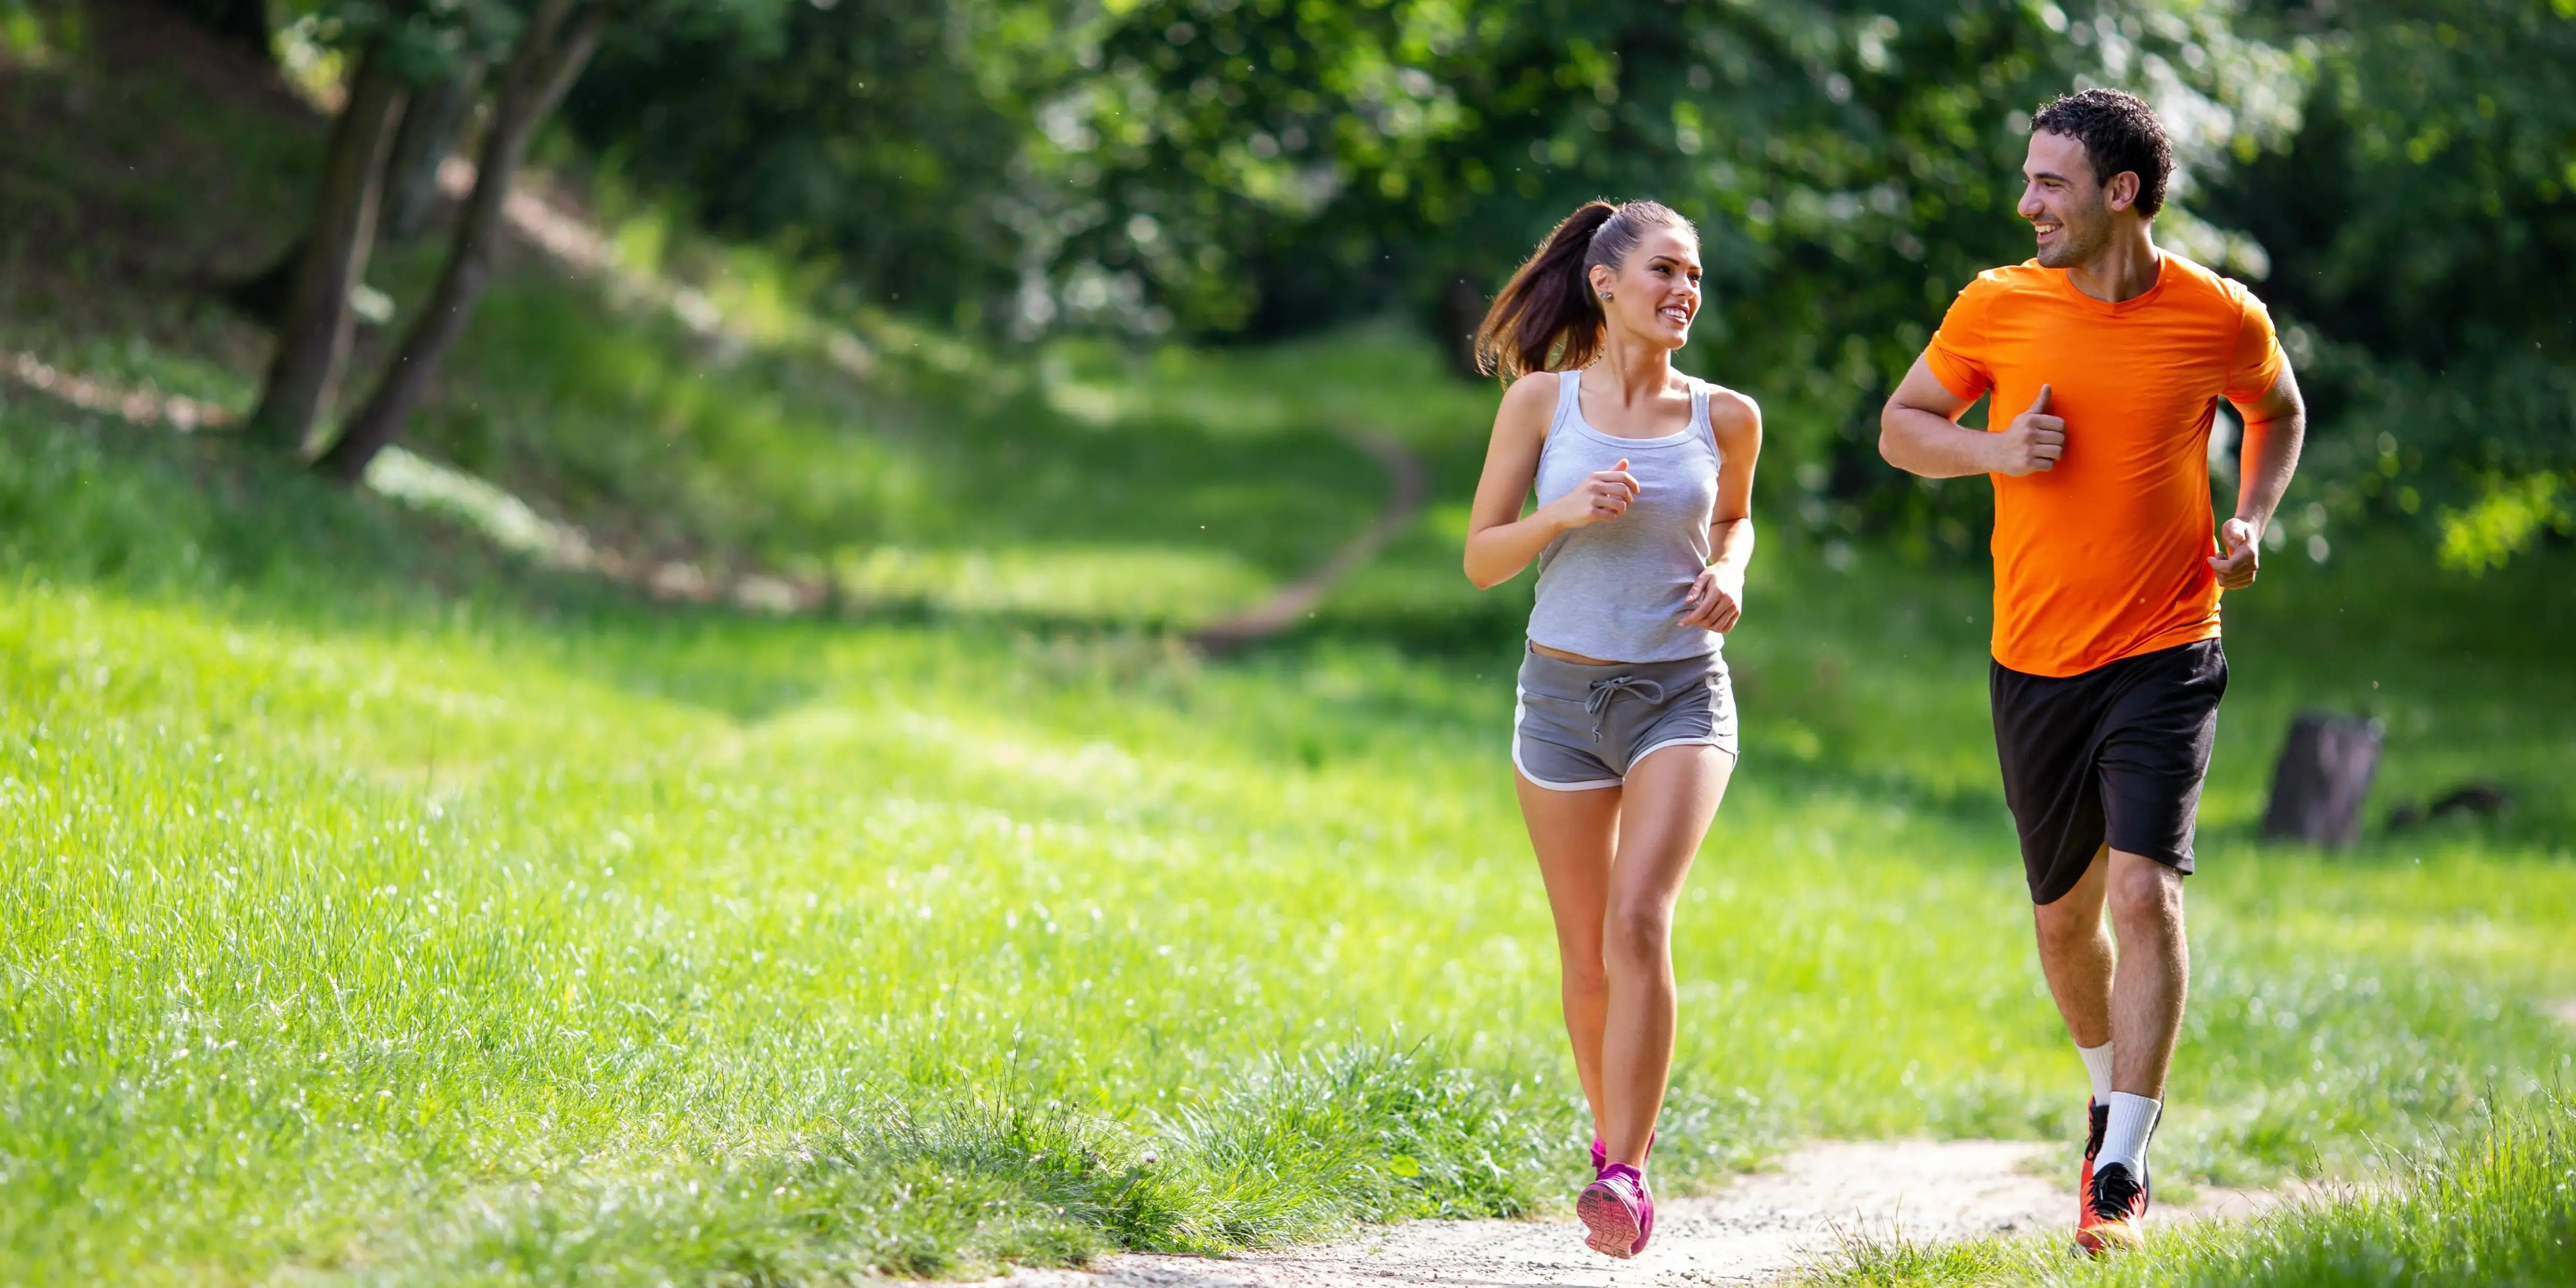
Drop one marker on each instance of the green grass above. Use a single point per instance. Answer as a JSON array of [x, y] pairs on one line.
[[902, 486]]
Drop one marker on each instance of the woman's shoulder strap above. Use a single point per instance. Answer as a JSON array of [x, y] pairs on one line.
[[1699, 392], [1569, 394]]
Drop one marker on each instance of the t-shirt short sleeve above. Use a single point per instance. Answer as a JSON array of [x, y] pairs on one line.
[[1957, 354], [2258, 361]]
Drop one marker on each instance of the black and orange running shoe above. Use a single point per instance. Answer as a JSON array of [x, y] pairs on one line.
[[2115, 1217], [2097, 1120]]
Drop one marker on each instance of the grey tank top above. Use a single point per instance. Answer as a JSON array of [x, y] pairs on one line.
[[1614, 590]]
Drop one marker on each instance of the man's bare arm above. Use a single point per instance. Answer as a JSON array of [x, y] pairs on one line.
[[1919, 433], [2275, 426]]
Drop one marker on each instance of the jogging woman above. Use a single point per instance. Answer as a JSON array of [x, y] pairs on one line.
[[1625, 730]]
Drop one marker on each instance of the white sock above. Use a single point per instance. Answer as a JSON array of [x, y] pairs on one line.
[[2097, 1064], [2133, 1119]]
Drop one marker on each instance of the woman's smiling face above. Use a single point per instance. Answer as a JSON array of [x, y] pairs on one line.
[[1654, 294]]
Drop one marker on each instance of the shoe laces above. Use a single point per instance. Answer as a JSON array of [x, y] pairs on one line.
[[2115, 1192]]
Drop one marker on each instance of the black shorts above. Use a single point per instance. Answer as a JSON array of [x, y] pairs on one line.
[[2115, 754]]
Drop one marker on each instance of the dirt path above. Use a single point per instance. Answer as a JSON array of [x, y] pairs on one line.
[[1292, 602], [1760, 1228]]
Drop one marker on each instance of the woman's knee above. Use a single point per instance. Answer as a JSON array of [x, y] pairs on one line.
[[1639, 931]]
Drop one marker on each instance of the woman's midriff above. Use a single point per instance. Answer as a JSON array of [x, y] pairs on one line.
[[1562, 656]]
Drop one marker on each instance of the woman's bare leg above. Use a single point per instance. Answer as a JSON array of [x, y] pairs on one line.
[[1575, 834], [1670, 797]]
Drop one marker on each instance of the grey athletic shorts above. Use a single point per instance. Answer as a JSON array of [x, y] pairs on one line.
[[1578, 727]]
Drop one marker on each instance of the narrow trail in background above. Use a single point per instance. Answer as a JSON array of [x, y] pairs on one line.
[[573, 242], [1761, 1228], [1295, 601]]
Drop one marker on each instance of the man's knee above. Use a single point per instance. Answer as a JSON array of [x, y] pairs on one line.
[[2072, 919], [2144, 892], [2067, 924]]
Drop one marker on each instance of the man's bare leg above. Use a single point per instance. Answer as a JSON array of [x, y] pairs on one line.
[[2132, 999], [2075, 955], [2137, 1004], [2154, 972]]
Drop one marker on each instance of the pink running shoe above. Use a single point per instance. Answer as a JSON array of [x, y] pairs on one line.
[[1617, 1212]]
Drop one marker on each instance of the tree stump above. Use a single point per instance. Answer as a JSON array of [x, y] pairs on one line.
[[2322, 779]]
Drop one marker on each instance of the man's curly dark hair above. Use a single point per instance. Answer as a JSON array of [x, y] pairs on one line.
[[2119, 132]]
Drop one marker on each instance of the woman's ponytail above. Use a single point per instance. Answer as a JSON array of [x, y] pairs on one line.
[[1545, 319], [1547, 304]]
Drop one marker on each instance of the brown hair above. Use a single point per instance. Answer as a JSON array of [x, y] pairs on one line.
[[1545, 319], [2119, 132]]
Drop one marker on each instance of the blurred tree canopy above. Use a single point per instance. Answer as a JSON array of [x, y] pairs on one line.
[[2422, 230], [2396, 177]]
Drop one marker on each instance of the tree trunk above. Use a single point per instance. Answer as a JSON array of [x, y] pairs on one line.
[[2322, 779], [550, 54], [427, 135], [430, 122], [313, 336]]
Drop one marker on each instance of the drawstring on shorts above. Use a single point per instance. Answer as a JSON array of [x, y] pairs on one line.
[[1597, 705]]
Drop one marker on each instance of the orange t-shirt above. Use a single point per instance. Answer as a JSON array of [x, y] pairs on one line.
[[2106, 556]]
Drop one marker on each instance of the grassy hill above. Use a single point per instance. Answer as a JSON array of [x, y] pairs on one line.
[[382, 907]]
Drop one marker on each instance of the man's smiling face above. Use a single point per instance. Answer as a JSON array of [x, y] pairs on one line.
[[2067, 206]]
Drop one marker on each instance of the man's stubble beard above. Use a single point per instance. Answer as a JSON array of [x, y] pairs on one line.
[[2075, 246]]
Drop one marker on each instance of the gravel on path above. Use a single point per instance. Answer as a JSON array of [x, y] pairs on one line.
[[1759, 1228]]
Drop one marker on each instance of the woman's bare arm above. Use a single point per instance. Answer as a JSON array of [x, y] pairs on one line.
[[1716, 599]]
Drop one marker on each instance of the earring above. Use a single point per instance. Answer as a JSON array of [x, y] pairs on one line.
[[1605, 297]]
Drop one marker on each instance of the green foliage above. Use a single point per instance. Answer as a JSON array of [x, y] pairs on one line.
[[883, 140], [424, 40], [2422, 228], [2393, 175], [419, 40]]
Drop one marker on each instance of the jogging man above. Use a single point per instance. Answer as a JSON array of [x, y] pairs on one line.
[[2106, 358]]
